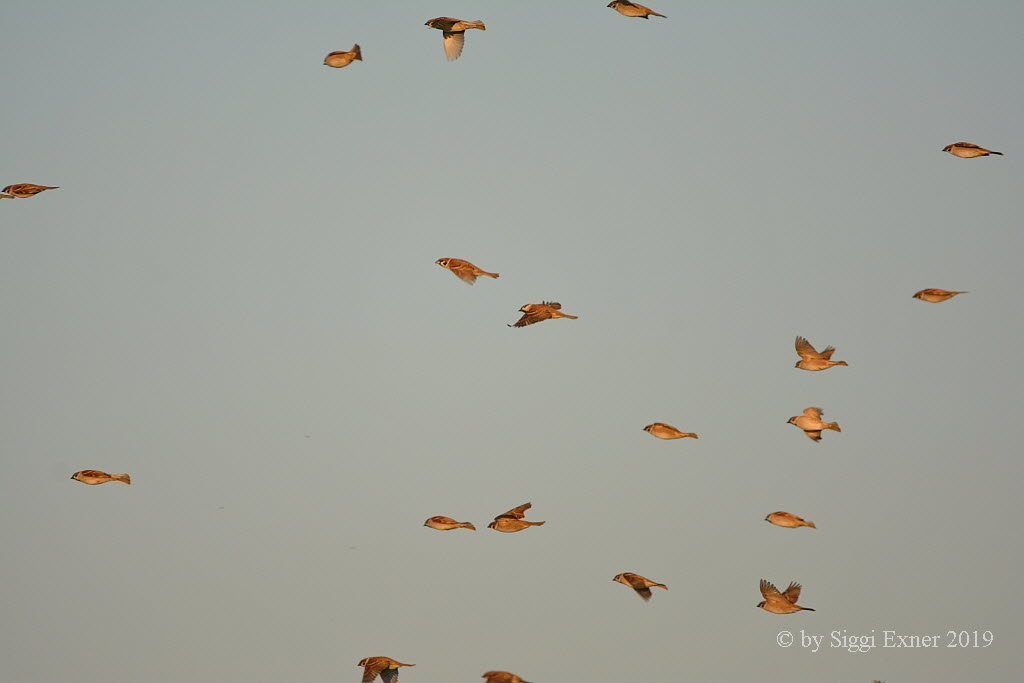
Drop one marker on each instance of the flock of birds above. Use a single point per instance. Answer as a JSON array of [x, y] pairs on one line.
[[513, 520]]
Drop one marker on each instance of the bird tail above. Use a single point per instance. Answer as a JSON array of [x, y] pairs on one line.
[[659, 585], [690, 435], [809, 609], [810, 524], [359, 52], [123, 478], [468, 525], [535, 523], [480, 25], [657, 15], [834, 426], [841, 362], [999, 153], [566, 315], [494, 275]]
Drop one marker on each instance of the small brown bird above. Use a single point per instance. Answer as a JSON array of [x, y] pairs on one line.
[[664, 431], [788, 520], [464, 270], [510, 525], [534, 313], [641, 585], [447, 524], [811, 423], [811, 359], [502, 677], [781, 603], [632, 9], [968, 150], [339, 59], [93, 477], [385, 666], [934, 296], [24, 190], [454, 32]]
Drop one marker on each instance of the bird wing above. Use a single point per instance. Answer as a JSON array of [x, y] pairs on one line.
[[827, 353], [792, 593], [643, 591], [372, 667], [517, 512], [389, 675], [453, 42], [552, 304], [813, 412], [966, 144], [464, 273], [538, 313], [769, 591], [813, 434], [805, 350]]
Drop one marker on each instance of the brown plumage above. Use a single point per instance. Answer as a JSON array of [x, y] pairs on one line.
[[454, 32], [339, 59], [518, 512], [464, 270], [502, 677], [534, 313], [447, 524], [934, 296], [788, 520], [781, 603], [811, 359], [386, 667], [633, 9], [812, 424], [24, 190], [512, 521], [968, 150], [93, 477], [664, 431], [641, 585]]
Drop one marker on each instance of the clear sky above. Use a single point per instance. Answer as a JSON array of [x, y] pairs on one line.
[[233, 298]]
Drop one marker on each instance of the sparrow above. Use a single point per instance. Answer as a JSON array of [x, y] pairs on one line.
[[454, 32], [811, 423], [664, 431], [24, 190], [632, 9], [464, 270], [788, 520], [385, 666], [968, 150], [811, 359], [781, 603], [502, 677], [339, 59], [510, 525], [93, 477], [447, 524], [934, 296], [638, 583], [534, 313]]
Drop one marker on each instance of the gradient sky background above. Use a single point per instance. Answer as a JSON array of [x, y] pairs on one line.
[[233, 298]]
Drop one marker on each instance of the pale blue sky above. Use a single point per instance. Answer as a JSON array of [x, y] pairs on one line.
[[233, 298]]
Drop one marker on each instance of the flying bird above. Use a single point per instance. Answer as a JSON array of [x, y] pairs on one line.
[[968, 150], [811, 359], [502, 677], [633, 9], [788, 520], [386, 667], [534, 313], [454, 32], [781, 603], [641, 585], [339, 59], [811, 423], [464, 270], [664, 431], [447, 524], [934, 296], [93, 477], [24, 190], [512, 521]]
